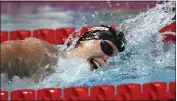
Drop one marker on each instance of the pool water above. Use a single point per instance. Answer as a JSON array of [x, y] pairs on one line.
[[137, 64]]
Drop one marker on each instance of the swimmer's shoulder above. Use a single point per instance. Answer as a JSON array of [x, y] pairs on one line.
[[51, 47], [42, 43]]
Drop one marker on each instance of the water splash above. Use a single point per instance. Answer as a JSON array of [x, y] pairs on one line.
[[144, 52], [67, 71], [143, 38], [136, 61]]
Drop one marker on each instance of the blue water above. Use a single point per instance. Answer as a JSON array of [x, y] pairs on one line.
[[164, 75], [135, 65]]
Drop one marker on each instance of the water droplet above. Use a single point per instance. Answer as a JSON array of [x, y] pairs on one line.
[[96, 12], [109, 3], [93, 15]]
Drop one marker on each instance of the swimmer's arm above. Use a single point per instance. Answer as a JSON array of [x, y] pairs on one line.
[[29, 49], [9, 51]]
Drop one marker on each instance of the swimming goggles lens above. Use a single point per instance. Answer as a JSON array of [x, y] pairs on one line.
[[106, 48]]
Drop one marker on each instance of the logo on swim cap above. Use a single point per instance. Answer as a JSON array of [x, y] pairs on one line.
[[122, 44], [99, 28]]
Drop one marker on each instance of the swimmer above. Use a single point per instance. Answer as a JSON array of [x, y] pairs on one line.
[[36, 58]]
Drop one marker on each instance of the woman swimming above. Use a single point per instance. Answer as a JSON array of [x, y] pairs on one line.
[[36, 58]]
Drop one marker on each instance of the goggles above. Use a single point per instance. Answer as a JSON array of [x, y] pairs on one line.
[[106, 48]]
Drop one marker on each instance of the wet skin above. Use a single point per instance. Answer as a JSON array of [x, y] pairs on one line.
[[29, 57]]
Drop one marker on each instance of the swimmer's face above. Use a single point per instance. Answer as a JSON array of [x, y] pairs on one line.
[[92, 51]]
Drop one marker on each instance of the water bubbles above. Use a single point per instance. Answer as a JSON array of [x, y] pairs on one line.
[[93, 15], [130, 16], [96, 12], [110, 5], [108, 1], [46, 8], [148, 6], [127, 5], [83, 19], [101, 22]]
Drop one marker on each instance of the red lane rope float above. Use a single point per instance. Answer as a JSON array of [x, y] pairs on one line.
[[76, 93], [4, 36], [20, 34], [44, 34], [23, 94], [103, 92], [4, 95], [49, 94], [155, 91], [133, 91], [169, 37], [130, 91], [172, 90], [61, 34], [169, 28]]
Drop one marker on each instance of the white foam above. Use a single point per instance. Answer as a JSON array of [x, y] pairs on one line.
[[67, 70]]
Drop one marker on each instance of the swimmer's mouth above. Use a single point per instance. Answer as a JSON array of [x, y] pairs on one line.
[[95, 63]]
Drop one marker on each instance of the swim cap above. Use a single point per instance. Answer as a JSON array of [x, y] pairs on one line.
[[103, 32]]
